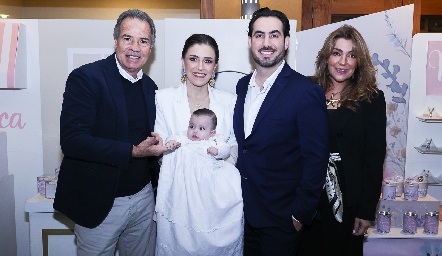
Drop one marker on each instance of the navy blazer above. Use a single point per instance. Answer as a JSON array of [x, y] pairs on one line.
[[283, 161], [94, 140]]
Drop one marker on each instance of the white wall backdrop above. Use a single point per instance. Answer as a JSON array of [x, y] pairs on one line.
[[24, 143], [231, 37], [51, 44]]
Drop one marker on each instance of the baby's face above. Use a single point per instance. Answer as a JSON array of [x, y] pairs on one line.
[[200, 128]]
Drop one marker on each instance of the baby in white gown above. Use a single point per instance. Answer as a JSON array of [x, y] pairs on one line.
[[199, 202]]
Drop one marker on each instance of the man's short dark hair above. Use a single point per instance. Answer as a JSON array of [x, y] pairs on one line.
[[266, 12]]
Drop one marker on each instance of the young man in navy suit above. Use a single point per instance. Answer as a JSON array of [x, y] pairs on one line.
[[106, 135], [281, 125]]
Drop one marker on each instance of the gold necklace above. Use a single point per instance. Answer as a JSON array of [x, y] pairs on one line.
[[331, 101], [199, 104]]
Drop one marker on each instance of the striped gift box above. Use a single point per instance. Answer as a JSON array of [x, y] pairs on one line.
[[12, 55]]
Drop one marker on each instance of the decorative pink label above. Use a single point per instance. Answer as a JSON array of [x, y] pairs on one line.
[[9, 33], [13, 120], [2, 33], [434, 68]]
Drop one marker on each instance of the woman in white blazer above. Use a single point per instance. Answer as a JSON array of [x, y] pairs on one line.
[[184, 190], [175, 105]]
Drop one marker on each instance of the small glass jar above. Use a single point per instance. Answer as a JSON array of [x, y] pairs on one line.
[[383, 222], [431, 223], [399, 188], [410, 223], [411, 191], [389, 191], [41, 184], [422, 191]]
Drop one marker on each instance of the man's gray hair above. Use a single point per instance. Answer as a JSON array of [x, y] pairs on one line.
[[135, 14]]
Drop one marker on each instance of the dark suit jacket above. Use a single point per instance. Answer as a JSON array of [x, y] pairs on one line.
[[283, 161], [94, 140], [361, 139]]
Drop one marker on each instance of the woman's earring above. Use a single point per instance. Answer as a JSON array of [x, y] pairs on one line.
[[183, 75], [212, 79]]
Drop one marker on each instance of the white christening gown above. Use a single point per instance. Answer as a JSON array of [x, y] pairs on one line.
[[199, 204]]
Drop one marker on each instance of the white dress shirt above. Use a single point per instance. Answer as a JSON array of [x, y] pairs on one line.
[[255, 97]]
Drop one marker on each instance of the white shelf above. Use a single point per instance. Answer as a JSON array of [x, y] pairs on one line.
[[432, 152], [430, 120], [39, 203], [397, 233]]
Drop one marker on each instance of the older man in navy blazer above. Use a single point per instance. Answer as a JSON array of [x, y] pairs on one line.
[[281, 125], [106, 126]]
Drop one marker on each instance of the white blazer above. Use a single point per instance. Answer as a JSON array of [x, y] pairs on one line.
[[173, 112]]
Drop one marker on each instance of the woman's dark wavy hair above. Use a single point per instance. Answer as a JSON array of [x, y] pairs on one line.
[[200, 39], [362, 83]]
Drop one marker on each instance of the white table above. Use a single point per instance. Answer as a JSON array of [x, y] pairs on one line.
[[51, 233], [396, 243]]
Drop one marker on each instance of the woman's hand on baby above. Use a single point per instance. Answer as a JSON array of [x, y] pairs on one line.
[[172, 144], [212, 151]]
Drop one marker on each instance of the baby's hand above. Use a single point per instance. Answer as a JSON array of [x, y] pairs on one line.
[[172, 144], [212, 151]]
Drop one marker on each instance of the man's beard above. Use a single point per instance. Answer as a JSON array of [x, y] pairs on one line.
[[267, 62]]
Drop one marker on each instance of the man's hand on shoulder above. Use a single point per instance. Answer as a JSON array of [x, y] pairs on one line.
[[151, 146]]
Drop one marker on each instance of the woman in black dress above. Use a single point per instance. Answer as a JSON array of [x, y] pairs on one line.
[[357, 131]]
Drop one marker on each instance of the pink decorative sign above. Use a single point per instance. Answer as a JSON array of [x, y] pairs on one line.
[[12, 121], [434, 68], [12, 56]]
